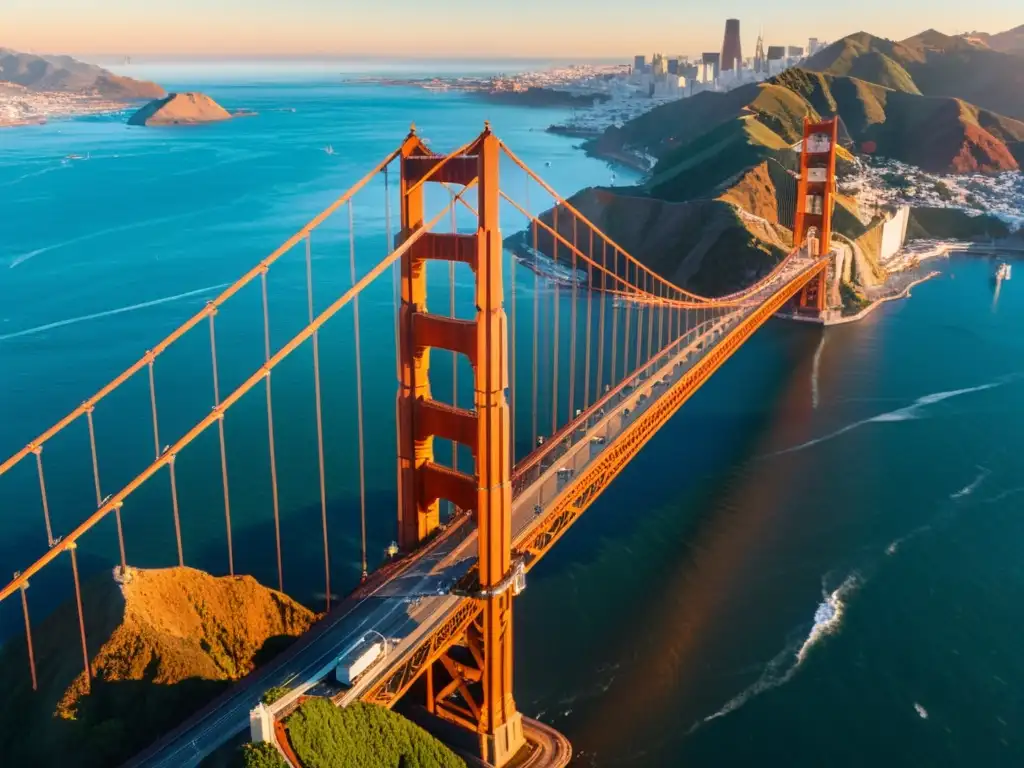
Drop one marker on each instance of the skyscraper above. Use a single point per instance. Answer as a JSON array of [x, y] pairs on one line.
[[639, 64], [732, 49], [759, 59]]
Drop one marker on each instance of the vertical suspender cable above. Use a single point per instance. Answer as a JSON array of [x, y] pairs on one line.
[[554, 371], [81, 617], [170, 464], [28, 637], [652, 304], [396, 268], [359, 389], [536, 330], [42, 494], [629, 314], [152, 403], [661, 317], [270, 429], [572, 338], [455, 356], [615, 319], [223, 450], [512, 384], [99, 492], [603, 298], [590, 293], [174, 505], [641, 313], [319, 414]]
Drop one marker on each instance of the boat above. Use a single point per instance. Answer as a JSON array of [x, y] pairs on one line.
[[329, 149], [547, 163]]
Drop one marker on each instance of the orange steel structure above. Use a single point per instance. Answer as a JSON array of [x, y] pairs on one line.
[[485, 430], [465, 661], [815, 200]]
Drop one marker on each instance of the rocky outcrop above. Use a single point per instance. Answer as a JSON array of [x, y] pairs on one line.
[[161, 644], [180, 109]]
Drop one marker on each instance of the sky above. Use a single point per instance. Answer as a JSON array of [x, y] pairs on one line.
[[466, 28]]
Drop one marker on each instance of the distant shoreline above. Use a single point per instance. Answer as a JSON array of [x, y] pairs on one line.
[[41, 107]]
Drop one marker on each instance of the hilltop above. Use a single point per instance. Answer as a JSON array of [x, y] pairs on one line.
[[64, 74], [703, 141], [1010, 41], [161, 644], [931, 64], [180, 109]]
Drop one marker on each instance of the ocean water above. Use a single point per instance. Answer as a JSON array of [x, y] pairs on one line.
[[817, 562]]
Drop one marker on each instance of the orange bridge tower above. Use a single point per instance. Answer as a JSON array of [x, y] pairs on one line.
[[485, 430], [815, 201]]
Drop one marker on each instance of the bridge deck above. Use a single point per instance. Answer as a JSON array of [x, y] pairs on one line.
[[414, 607]]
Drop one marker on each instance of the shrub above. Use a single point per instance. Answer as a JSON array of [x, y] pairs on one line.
[[363, 736], [273, 694], [262, 755]]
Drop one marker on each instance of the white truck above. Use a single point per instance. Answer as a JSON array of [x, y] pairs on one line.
[[358, 659]]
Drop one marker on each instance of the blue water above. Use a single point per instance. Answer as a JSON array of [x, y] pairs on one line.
[[102, 257], [826, 538]]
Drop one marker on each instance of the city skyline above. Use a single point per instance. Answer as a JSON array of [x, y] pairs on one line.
[[462, 28]]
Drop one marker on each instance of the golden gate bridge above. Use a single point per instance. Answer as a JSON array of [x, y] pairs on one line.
[[453, 649]]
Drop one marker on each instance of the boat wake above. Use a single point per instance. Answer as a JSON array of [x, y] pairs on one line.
[[907, 413], [828, 617], [110, 312], [816, 367], [967, 490], [895, 545], [22, 258]]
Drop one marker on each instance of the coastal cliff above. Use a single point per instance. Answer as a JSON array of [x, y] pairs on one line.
[[162, 643], [180, 109]]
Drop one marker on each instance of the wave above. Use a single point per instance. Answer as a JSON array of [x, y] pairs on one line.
[[907, 413], [967, 490], [828, 617], [110, 312], [22, 258]]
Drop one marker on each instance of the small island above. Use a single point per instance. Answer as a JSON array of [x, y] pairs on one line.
[[180, 109]]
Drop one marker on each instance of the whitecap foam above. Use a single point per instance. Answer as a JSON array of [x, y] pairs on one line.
[[828, 617]]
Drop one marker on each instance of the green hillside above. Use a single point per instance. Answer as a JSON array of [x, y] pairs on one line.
[[938, 134], [932, 64]]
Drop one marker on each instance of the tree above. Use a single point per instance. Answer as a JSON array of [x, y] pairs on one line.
[[262, 755]]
